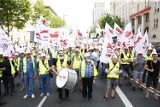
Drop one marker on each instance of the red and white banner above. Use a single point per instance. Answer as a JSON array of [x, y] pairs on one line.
[[137, 37], [117, 30], [98, 28]]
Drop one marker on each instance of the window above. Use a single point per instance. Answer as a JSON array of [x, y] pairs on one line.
[[139, 20], [138, 7], [147, 17], [147, 2], [156, 9], [132, 11], [155, 23]]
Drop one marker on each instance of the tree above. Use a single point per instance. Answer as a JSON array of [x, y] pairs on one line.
[[14, 13], [39, 10], [110, 20]]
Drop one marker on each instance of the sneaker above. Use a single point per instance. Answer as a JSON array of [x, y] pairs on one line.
[[140, 88], [156, 97], [147, 96], [114, 98], [48, 94], [133, 89], [26, 96], [104, 98], [33, 96], [41, 95]]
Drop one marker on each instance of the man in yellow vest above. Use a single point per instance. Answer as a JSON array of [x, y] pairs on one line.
[[43, 71], [125, 64], [147, 58], [29, 70], [88, 73], [113, 71], [61, 62], [7, 75], [75, 65]]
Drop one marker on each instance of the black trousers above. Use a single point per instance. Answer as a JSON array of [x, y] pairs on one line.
[[60, 90], [8, 82], [87, 87]]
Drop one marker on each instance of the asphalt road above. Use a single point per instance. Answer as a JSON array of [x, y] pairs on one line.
[[136, 99]]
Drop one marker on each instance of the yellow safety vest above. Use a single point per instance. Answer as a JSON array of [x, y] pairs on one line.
[[1, 60], [125, 57], [54, 55], [13, 71], [83, 69], [59, 65], [132, 56], [148, 57], [25, 64], [42, 68], [111, 73], [77, 62]]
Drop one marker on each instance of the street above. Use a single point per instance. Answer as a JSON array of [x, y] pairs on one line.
[[136, 99]]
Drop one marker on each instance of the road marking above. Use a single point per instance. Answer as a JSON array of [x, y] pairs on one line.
[[126, 102], [42, 101]]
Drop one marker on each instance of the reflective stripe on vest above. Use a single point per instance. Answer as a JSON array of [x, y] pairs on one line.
[[42, 68], [125, 57], [59, 65], [25, 64], [148, 57], [116, 68], [12, 67], [77, 63], [83, 68]]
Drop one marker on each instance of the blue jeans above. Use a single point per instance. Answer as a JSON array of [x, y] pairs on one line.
[[29, 80], [103, 74], [45, 83]]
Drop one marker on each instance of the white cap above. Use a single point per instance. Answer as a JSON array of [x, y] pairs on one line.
[[114, 56], [118, 47], [125, 47], [87, 54], [139, 52], [16, 54], [150, 48], [28, 51], [43, 54], [77, 50], [61, 53], [154, 53], [22, 51]]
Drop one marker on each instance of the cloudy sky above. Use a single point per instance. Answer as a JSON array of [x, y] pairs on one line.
[[75, 12]]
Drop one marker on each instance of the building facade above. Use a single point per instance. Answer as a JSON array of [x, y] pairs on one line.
[[143, 13], [98, 10]]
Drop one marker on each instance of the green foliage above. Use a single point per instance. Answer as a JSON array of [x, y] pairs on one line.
[[110, 20], [14, 13], [40, 10]]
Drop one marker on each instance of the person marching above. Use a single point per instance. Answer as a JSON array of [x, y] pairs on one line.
[[75, 65], [113, 71], [125, 64], [8, 74], [88, 73], [20, 70], [61, 62], [43, 71], [153, 67], [147, 58], [29, 70], [138, 66]]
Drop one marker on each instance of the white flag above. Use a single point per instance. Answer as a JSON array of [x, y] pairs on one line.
[[98, 28]]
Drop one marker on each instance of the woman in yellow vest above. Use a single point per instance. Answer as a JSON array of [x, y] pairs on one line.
[[113, 71], [61, 62], [43, 71], [88, 73]]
